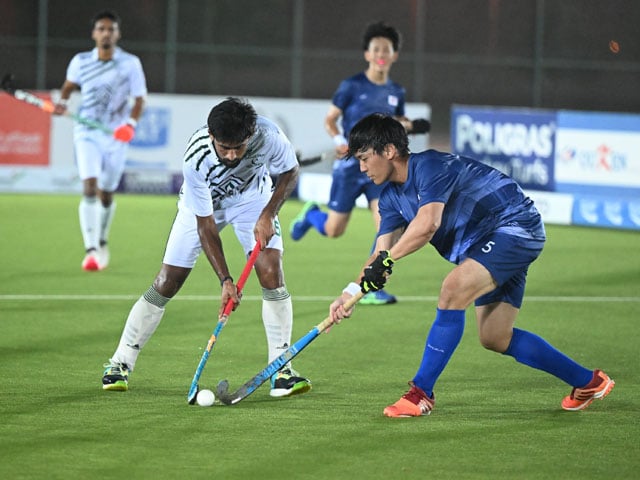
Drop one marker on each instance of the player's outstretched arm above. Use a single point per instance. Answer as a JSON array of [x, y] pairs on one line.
[[420, 231], [212, 247], [372, 276]]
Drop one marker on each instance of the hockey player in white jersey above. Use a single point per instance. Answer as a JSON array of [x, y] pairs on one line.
[[227, 181], [108, 78]]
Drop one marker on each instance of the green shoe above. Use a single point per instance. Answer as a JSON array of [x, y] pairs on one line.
[[287, 382], [378, 298], [116, 377], [300, 225]]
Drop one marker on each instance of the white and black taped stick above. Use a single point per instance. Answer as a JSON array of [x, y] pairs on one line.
[[193, 389], [252, 385], [418, 126], [305, 162], [47, 105]]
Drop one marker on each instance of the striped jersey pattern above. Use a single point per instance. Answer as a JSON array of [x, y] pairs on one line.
[[107, 86], [210, 185]]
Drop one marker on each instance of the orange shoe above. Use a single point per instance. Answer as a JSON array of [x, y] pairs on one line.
[[90, 262], [580, 398], [414, 403]]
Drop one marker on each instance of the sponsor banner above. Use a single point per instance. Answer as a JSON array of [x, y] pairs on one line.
[[610, 212], [518, 142], [555, 208], [155, 182], [598, 153], [162, 133], [24, 132], [152, 147], [168, 122], [39, 180]]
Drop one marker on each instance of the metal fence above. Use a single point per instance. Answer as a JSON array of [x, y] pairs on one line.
[[573, 54]]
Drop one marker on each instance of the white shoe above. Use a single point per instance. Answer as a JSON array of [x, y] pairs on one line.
[[90, 262], [103, 257]]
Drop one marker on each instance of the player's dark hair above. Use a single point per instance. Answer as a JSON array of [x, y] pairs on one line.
[[232, 121], [381, 29], [376, 131], [109, 14]]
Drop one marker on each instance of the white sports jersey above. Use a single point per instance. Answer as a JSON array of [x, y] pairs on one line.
[[107, 86], [209, 184]]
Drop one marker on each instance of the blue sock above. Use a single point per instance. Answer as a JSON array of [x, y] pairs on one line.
[[443, 338], [317, 218], [534, 351]]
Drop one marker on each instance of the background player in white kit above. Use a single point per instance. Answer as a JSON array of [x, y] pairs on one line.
[[108, 77], [227, 181]]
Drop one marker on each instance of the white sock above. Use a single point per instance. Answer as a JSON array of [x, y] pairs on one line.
[[106, 218], [89, 212], [277, 316], [143, 320]]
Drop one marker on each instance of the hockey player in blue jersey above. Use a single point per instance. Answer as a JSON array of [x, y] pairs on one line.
[[480, 220], [371, 91]]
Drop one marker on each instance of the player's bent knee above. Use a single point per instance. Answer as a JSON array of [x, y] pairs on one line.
[[170, 279], [495, 344], [334, 233], [334, 230], [453, 298]]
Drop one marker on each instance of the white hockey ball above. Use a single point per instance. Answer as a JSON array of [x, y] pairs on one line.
[[205, 398]]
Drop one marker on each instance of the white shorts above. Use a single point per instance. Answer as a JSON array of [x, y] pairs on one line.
[[100, 156], [183, 245]]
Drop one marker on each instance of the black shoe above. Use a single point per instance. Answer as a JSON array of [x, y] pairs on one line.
[[287, 382], [116, 377]]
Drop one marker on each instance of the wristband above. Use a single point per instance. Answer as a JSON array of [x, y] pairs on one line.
[[225, 279], [339, 140], [63, 102], [352, 289], [133, 122]]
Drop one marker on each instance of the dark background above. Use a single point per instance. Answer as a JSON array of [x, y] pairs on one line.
[[528, 53]]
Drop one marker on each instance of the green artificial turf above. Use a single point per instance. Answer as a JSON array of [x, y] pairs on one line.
[[494, 418]]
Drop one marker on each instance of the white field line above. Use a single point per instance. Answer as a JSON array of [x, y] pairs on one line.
[[298, 298]]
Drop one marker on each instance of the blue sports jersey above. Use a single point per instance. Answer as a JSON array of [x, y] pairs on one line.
[[478, 200], [358, 97]]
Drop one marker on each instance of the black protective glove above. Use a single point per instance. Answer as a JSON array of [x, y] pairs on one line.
[[375, 275], [420, 125]]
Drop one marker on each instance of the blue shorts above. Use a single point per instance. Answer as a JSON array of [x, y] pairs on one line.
[[507, 257], [348, 183]]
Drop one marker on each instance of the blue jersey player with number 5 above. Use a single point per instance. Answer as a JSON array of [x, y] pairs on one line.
[[477, 218]]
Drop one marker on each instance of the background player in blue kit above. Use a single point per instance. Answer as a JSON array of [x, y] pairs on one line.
[[367, 92], [477, 218]]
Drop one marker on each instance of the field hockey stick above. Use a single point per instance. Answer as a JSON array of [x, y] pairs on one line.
[[193, 390], [252, 385], [305, 162], [420, 125], [47, 105]]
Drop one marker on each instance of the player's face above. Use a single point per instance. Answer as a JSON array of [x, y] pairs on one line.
[[229, 153], [375, 165], [380, 54], [105, 33]]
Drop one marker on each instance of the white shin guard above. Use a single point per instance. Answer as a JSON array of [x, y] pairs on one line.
[[89, 213], [143, 320], [106, 218], [277, 316]]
